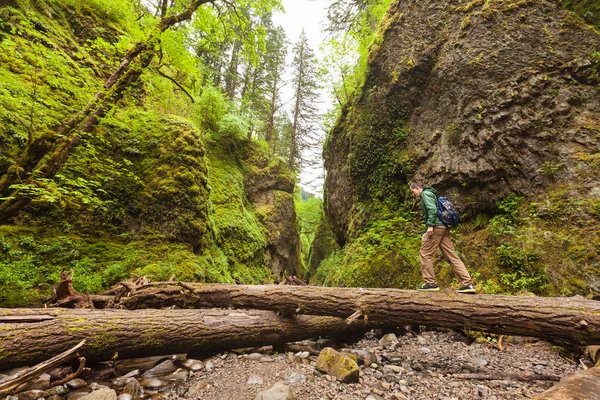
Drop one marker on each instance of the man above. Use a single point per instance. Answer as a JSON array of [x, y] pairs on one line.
[[437, 235]]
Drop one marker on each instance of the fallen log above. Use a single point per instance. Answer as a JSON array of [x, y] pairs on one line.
[[580, 385], [128, 334], [568, 318]]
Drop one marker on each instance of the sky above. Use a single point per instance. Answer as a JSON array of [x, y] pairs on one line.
[[310, 16]]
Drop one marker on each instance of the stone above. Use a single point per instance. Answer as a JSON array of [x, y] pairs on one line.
[[197, 387], [278, 391], [97, 386], [75, 384], [209, 366], [339, 365], [40, 383], [304, 354], [154, 383], [164, 368], [255, 380], [59, 390], [394, 368], [145, 363], [364, 357], [180, 375], [254, 357], [102, 394], [294, 377], [124, 396], [132, 387], [78, 394], [32, 395], [479, 362], [389, 340]]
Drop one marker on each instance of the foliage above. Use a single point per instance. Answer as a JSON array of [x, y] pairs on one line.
[[385, 254], [310, 214]]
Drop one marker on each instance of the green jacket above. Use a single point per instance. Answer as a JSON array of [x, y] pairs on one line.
[[429, 207]]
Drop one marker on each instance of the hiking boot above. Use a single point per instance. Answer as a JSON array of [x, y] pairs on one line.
[[428, 287], [466, 289]]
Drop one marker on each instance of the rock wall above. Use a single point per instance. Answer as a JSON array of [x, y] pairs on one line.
[[479, 98]]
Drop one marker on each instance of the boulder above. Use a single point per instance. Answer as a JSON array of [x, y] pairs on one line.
[[337, 364]]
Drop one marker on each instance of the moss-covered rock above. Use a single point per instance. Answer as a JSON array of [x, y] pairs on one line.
[[340, 365]]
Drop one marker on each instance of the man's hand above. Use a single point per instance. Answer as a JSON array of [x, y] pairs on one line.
[[428, 233]]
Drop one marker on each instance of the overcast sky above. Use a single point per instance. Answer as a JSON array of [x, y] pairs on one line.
[[310, 16]]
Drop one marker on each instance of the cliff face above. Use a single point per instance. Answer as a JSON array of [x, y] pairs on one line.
[[479, 98], [147, 192]]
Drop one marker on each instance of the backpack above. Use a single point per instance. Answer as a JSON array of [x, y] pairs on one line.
[[446, 212]]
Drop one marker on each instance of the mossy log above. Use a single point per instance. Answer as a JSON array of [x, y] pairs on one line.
[[579, 385], [568, 318], [28, 336]]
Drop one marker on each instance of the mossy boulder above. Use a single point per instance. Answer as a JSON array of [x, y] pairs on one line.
[[340, 365]]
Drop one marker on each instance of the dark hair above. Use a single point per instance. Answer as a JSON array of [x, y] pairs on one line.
[[416, 185]]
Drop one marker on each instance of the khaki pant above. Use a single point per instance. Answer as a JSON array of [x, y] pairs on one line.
[[440, 237]]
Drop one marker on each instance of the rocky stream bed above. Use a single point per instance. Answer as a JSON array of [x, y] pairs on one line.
[[425, 365]]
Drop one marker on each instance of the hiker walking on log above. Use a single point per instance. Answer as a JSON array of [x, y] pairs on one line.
[[437, 235]]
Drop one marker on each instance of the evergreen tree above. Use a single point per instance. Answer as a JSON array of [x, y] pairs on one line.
[[305, 116]]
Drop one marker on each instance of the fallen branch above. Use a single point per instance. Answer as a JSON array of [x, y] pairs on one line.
[[73, 375], [26, 375]]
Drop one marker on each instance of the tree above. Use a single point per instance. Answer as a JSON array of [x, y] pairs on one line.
[[44, 156], [305, 115], [275, 66]]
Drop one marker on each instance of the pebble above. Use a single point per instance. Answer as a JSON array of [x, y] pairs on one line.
[[77, 383], [255, 380], [254, 356]]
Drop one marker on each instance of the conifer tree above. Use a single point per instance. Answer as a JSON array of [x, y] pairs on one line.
[[305, 116]]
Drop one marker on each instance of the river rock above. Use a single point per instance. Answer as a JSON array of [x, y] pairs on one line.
[[32, 395], [181, 375], [78, 394], [278, 391], [164, 368], [124, 396], [255, 380], [339, 365], [132, 387], [364, 357], [102, 394], [389, 340], [42, 382], [145, 363], [76, 383], [154, 383], [295, 377], [59, 390], [192, 365]]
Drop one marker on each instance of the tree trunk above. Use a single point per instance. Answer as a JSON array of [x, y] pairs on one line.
[[574, 318], [579, 385], [30, 335]]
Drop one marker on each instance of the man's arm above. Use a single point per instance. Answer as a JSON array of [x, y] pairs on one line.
[[430, 204]]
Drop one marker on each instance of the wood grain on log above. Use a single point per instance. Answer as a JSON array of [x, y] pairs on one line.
[[570, 318], [153, 332], [580, 385]]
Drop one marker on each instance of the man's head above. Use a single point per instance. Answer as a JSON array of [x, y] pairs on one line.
[[416, 188]]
